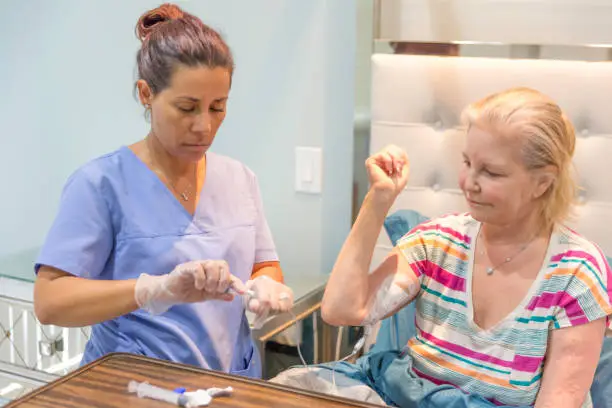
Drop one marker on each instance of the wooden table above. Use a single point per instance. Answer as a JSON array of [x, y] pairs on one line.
[[103, 383]]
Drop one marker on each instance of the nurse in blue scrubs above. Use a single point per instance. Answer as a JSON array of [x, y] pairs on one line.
[[156, 243]]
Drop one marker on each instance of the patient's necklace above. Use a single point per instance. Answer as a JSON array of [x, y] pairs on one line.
[[491, 269]]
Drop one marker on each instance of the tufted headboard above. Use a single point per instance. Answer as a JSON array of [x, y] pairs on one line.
[[417, 102]]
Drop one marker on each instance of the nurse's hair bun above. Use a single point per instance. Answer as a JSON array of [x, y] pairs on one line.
[[153, 19], [172, 38]]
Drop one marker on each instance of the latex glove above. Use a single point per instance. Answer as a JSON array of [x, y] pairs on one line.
[[267, 297], [187, 283]]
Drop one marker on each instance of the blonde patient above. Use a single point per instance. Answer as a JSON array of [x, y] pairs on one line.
[[511, 305]]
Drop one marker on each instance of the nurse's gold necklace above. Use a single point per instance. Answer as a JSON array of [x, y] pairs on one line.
[[184, 194]]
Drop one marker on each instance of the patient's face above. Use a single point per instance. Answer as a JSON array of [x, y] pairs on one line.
[[496, 184]]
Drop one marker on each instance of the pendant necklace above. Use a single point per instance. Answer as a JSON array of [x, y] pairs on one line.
[[491, 269], [183, 194]]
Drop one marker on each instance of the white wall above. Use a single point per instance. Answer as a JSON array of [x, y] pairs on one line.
[[67, 71], [363, 76], [568, 22]]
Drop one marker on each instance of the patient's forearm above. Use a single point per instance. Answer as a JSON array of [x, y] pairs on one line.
[[561, 399], [346, 295], [571, 361]]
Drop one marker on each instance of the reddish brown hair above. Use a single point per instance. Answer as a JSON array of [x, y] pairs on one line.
[[172, 37]]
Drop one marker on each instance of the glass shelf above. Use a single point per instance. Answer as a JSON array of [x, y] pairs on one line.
[[20, 265]]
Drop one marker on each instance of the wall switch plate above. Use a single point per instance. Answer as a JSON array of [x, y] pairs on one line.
[[308, 169]]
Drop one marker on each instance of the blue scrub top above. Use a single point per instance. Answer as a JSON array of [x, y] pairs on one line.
[[117, 220]]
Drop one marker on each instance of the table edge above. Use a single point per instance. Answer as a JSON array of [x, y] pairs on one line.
[[60, 380], [193, 369]]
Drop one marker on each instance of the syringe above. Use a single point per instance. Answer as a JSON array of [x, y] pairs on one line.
[[146, 390], [232, 289]]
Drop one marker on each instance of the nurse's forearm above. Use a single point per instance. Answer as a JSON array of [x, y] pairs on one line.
[[67, 301]]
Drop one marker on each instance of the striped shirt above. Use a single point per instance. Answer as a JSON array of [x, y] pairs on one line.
[[504, 363]]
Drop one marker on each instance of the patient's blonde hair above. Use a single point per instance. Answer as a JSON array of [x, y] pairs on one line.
[[547, 136]]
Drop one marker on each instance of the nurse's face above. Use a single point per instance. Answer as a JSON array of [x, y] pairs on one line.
[[186, 115]]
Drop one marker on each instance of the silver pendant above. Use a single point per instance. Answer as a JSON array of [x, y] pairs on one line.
[[184, 196], [490, 270]]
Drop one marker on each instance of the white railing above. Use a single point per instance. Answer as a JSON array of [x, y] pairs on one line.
[[16, 381], [29, 349]]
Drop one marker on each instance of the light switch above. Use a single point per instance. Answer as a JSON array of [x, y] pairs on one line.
[[308, 169]]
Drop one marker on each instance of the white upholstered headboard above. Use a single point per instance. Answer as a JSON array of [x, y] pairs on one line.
[[417, 102]]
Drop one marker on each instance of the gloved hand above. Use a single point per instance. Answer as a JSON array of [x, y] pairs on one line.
[[267, 297], [187, 283]]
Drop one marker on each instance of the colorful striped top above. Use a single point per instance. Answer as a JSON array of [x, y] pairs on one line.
[[504, 363]]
